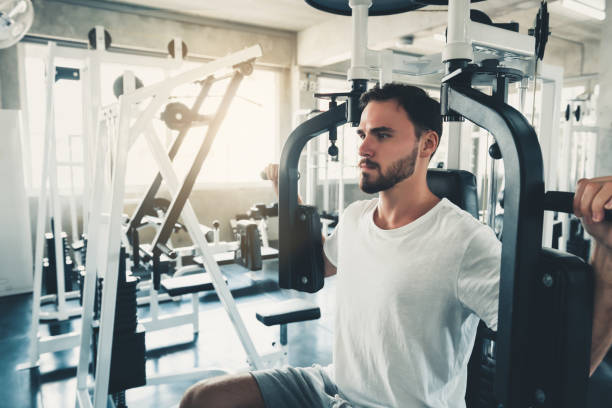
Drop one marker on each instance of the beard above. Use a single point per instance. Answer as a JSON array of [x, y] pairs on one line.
[[399, 170]]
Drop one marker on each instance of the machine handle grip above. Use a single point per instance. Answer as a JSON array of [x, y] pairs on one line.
[[562, 201]]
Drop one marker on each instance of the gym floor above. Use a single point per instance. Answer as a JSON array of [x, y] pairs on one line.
[[53, 385], [217, 345]]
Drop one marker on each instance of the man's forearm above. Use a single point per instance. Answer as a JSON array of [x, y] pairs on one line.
[[602, 305]]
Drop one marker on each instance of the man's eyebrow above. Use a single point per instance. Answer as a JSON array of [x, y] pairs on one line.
[[382, 129], [379, 129]]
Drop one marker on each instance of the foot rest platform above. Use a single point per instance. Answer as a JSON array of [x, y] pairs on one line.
[[182, 285], [288, 311]]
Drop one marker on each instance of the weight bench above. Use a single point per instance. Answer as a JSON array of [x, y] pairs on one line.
[[285, 312], [183, 285], [227, 258]]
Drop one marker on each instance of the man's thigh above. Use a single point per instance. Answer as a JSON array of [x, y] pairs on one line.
[[307, 387]]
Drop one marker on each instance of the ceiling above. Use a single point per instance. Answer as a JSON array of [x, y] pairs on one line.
[[291, 15], [297, 16]]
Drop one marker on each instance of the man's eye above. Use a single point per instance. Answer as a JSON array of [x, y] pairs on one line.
[[384, 135]]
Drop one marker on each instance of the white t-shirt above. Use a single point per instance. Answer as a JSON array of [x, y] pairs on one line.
[[408, 304]]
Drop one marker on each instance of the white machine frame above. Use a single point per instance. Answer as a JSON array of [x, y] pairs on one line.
[[50, 196], [475, 42], [105, 230]]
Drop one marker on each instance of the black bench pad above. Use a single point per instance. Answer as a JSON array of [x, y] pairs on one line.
[[182, 285], [288, 311], [227, 258]]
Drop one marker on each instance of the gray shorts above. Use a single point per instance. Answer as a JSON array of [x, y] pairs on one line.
[[308, 387]]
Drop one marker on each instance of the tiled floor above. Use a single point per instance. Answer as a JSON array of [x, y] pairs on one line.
[[168, 350], [217, 345]]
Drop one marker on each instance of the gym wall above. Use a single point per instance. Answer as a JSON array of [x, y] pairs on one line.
[[143, 28]]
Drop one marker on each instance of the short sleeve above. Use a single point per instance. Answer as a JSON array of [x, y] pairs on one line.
[[478, 277], [330, 246]]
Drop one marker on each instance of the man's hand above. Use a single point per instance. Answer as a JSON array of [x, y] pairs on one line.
[[592, 197], [272, 175]]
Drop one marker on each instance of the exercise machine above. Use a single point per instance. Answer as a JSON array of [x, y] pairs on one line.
[[542, 348], [106, 233], [61, 279]]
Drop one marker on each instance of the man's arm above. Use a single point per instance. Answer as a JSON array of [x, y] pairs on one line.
[[602, 306], [272, 175], [330, 269], [592, 197]]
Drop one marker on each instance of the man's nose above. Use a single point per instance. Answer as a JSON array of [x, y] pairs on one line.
[[366, 148]]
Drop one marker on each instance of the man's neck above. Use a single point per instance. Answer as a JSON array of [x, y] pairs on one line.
[[404, 203]]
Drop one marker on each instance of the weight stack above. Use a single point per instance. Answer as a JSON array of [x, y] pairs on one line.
[[51, 272], [46, 276], [128, 349], [248, 253], [69, 273]]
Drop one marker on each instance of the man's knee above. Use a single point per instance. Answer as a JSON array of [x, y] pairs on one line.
[[224, 392]]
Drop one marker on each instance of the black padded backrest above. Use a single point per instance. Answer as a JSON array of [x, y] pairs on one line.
[[458, 186]]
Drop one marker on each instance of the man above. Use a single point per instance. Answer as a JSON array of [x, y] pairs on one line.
[[415, 275]]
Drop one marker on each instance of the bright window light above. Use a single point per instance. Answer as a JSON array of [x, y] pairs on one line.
[[591, 8], [245, 143]]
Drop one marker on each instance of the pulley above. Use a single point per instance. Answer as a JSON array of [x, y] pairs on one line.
[[541, 31], [178, 116]]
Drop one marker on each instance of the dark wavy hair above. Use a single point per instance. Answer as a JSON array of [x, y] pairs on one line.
[[422, 110]]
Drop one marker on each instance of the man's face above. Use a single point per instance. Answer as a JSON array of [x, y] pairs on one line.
[[389, 146]]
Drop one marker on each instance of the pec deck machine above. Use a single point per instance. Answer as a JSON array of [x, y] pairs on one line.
[[540, 355]]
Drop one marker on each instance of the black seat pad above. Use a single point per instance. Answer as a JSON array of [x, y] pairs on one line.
[[227, 258], [288, 311], [182, 285]]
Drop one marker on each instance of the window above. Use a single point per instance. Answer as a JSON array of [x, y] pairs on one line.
[[244, 144], [68, 123]]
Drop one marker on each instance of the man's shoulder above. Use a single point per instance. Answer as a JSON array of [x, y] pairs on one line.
[[359, 207], [464, 221]]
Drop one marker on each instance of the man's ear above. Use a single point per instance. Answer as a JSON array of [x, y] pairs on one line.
[[429, 143]]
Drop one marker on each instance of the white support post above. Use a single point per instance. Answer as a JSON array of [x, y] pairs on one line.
[[56, 206], [522, 87], [74, 227], [359, 68], [109, 291], [341, 177], [458, 46], [549, 132], [195, 304], [41, 221], [324, 157], [453, 159], [88, 133], [91, 265]]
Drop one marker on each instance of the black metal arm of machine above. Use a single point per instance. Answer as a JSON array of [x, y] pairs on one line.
[[300, 242], [545, 298], [562, 201]]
